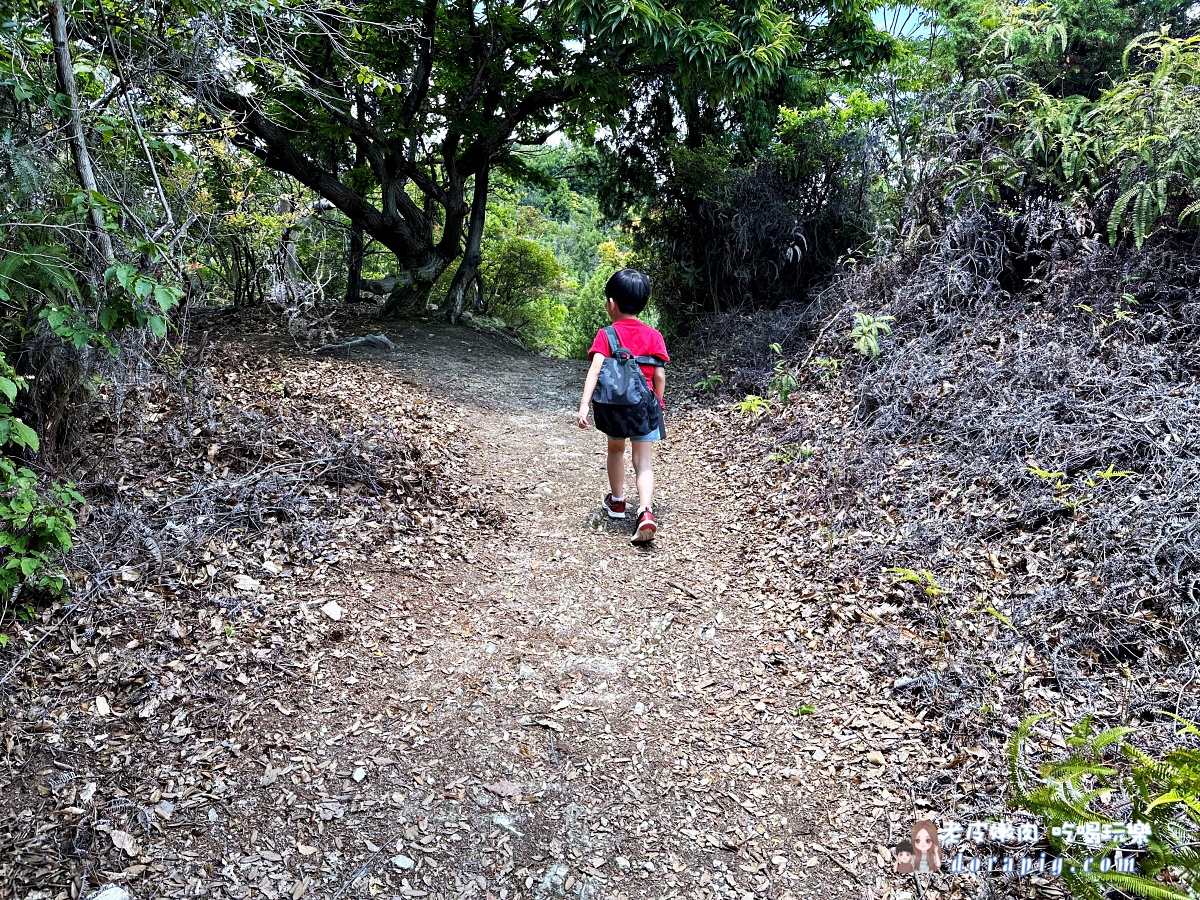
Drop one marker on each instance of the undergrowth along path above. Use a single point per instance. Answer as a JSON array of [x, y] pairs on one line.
[[530, 709]]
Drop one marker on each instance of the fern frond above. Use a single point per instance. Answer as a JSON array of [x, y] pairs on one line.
[[1140, 886], [1016, 745], [1111, 736], [1116, 219]]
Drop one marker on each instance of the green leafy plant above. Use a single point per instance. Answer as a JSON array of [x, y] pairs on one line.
[[1057, 480], [1089, 149], [753, 406], [1099, 477], [783, 382], [790, 453], [828, 367], [1122, 311], [923, 579], [35, 524], [1106, 779], [145, 303], [710, 383], [866, 331], [35, 530], [1062, 487], [1000, 617]]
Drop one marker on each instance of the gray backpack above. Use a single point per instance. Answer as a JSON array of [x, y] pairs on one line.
[[623, 404]]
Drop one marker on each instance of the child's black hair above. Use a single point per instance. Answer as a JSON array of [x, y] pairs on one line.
[[905, 847], [630, 290]]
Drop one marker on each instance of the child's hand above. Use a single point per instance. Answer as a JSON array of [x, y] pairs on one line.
[[582, 416]]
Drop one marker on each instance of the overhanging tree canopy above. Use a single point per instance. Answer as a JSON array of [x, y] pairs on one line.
[[397, 112]]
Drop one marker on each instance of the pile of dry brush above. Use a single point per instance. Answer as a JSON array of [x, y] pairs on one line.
[[232, 494], [1025, 447]]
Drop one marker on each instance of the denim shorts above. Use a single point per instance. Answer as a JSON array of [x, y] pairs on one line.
[[656, 435]]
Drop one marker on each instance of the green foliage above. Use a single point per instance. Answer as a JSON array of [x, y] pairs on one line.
[[923, 579], [828, 367], [518, 276], [543, 239], [1106, 779], [710, 384], [783, 381], [32, 275], [559, 186], [753, 406], [1100, 476], [1121, 310], [421, 100], [737, 45], [587, 313], [35, 525], [35, 530], [1064, 490], [792, 453], [1068, 47], [143, 304], [866, 331], [725, 223], [1144, 168]]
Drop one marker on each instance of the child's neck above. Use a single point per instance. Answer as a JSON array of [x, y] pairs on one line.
[[621, 317]]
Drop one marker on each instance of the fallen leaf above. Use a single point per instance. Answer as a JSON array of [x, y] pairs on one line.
[[247, 584], [504, 789], [123, 840]]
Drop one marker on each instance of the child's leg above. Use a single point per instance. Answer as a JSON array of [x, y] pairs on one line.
[[643, 467], [616, 466]]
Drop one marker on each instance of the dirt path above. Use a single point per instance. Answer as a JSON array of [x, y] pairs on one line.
[[558, 714], [587, 719]]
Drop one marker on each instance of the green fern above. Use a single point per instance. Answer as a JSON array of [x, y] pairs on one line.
[[1103, 774], [38, 272], [1089, 149]]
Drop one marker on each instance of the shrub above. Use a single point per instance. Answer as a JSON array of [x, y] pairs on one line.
[[727, 233], [518, 272], [35, 524], [1129, 159], [587, 315], [1107, 780]]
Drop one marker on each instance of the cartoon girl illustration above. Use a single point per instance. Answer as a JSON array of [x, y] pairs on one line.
[[927, 857], [904, 858]]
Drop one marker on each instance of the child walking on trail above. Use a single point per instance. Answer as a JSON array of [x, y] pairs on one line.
[[628, 411]]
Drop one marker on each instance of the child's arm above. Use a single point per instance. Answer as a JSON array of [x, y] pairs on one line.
[[589, 387], [660, 380]]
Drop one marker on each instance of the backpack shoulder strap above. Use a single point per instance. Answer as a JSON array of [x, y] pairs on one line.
[[614, 344]]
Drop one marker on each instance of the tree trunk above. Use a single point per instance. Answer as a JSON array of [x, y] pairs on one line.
[[409, 300], [79, 151], [480, 304], [356, 252], [354, 264], [468, 269]]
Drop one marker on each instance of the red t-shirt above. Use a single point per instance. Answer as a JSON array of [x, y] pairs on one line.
[[639, 339]]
